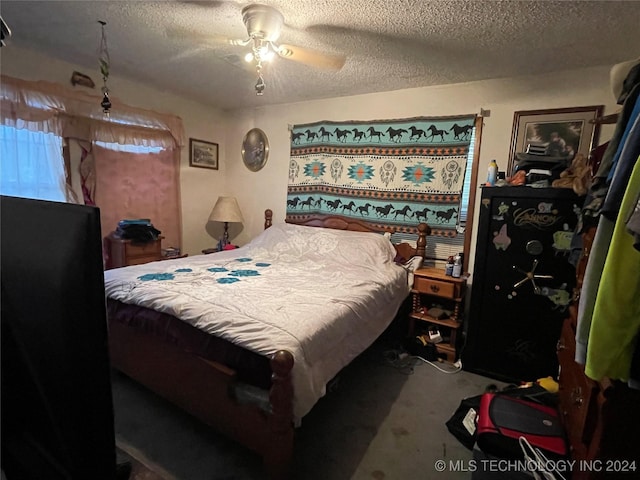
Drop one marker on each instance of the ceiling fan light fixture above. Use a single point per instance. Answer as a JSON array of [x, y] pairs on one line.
[[262, 21], [263, 48], [264, 25], [284, 52], [260, 86]]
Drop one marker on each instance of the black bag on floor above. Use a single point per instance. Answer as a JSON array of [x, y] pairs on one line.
[[463, 423]]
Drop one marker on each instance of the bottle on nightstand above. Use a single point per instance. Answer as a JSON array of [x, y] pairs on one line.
[[448, 269], [457, 266]]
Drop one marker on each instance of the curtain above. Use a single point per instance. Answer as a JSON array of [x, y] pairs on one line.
[[32, 165], [139, 185], [87, 168], [49, 107], [122, 185]]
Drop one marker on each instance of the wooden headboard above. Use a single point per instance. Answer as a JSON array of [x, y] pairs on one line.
[[338, 222]]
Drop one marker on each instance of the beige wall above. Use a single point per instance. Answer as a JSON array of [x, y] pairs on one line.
[[267, 188], [199, 187]]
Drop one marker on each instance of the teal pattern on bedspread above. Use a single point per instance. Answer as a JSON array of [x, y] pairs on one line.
[[232, 275], [393, 174]]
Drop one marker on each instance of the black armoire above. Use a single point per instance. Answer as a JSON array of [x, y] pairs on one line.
[[522, 282]]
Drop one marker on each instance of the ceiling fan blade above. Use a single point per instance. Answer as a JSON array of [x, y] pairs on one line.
[[311, 57], [186, 34]]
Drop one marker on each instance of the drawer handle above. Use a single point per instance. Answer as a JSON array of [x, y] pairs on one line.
[[434, 288], [576, 396]]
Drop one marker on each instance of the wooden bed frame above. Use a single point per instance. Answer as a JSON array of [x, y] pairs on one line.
[[205, 389]]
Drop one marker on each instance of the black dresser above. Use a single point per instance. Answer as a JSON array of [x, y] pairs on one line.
[[522, 282]]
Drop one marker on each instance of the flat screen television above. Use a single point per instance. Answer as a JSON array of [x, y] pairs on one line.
[[57, 405]]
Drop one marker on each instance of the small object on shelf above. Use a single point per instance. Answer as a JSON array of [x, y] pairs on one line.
[[492, 173], [134, 221], [139, 230], [437, 312], [518, 178], [434, 336], [536, 148], [457, 266], [448, 269], [174, 257], [217, 249], [539, 178], [171, 252]]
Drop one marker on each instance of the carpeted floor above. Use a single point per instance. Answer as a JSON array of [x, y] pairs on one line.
[[379, 422], [141, 467]]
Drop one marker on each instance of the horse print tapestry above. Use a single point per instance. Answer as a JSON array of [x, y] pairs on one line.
[[393, 174]]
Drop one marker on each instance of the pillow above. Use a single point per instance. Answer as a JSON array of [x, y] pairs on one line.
[[326, 245]]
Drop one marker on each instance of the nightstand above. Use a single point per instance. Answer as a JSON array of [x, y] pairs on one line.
[[122, 252], [438, 304]]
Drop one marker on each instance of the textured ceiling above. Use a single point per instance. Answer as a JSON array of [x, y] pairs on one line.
[[389, 44]]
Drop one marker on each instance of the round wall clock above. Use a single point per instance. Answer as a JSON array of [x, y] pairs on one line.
[[255, 149]]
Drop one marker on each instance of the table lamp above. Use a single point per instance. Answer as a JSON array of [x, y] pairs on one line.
[[226, 210]]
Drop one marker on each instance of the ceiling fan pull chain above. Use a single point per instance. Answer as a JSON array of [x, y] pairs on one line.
[[260, 85]]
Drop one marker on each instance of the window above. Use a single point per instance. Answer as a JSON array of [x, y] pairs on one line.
[[129, 148], [466, 189], [32, 164]]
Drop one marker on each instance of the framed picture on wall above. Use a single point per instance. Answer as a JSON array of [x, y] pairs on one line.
[[203, 154], [564, 132]]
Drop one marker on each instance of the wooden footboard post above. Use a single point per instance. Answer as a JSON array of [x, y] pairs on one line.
[[279, 454], [421, 244], [268, 217]]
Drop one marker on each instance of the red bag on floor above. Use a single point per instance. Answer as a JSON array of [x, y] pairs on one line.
[[502, 420]]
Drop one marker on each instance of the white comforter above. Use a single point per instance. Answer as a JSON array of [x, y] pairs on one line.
[[324, 295]]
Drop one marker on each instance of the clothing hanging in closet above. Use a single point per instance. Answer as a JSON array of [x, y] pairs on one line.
[[609, 307]]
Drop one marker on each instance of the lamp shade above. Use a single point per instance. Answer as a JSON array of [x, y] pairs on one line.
[[226, 209]]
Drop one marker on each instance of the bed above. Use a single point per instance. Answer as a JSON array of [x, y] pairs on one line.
[[246, 340]]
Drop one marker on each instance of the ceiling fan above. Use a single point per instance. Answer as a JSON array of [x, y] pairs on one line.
[[264, 25]]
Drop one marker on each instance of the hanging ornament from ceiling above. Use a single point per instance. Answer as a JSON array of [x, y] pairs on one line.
[[104, 61]]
